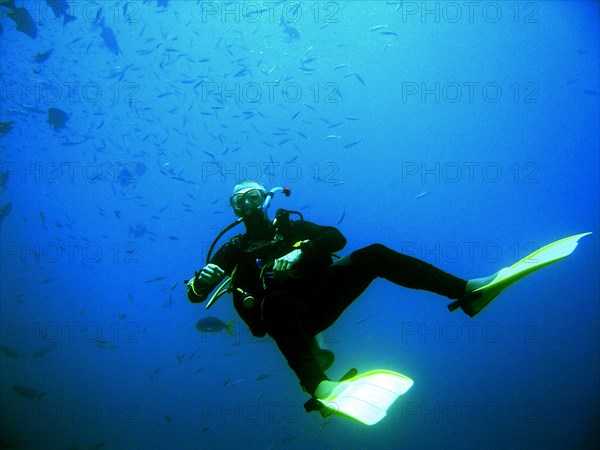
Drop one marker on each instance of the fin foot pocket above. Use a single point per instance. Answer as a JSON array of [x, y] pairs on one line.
[[315, 405]]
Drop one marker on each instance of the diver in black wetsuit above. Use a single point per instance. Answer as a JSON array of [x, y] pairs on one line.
[[285, 283]]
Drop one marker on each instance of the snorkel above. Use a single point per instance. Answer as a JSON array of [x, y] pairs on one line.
[[286, 191]]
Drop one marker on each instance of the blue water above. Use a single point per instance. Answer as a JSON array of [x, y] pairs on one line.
[[465, 134]]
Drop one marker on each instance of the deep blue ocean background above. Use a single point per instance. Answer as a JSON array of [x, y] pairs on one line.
[[464, 134]]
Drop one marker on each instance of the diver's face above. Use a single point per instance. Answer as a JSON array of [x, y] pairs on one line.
[[247, 201]]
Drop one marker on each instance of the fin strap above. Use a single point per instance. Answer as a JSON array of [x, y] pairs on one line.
[[313, 404], [455, 305]]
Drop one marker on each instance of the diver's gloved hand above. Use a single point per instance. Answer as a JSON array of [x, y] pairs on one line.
[[283, 267], [210, 274]]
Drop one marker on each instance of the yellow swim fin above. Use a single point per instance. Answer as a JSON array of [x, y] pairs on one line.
[[473, 302], [367, 397]]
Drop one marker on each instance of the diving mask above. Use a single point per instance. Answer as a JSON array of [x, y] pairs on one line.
[[251, 198]]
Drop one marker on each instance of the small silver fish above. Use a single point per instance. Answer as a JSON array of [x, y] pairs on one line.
[[422, 194]]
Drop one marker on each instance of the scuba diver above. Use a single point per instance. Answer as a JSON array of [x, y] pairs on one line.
[[286, 284]]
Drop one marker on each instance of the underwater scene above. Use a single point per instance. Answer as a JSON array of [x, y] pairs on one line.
[[461, 137]]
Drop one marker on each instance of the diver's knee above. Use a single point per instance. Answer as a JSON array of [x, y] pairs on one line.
[[368, 253], [344, 261], [377, 248]]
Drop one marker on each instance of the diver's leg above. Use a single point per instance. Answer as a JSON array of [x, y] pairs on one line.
[[324, 357], [339, 285], [345, 280], [283, 318], [381, 261]]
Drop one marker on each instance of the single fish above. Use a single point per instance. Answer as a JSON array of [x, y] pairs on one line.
[[352, 144], [155, 279], [105, 345], [108, 36], [4, 176], [42, 351], [5, 210], [242, 72], [60, 8], [358, 77], [341, 219], [27, 393], [10, 352], [214, 325], [290, 31], [43, 57], [57, 118], [6, 127], [22, 19], [256, 12]]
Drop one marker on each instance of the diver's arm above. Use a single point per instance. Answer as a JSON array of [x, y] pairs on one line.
[[196, 292], [206, 279], [204, 282], [316, 242], [323, 239]]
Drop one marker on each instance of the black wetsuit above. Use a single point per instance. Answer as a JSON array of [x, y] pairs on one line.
[[293, 311]]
